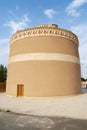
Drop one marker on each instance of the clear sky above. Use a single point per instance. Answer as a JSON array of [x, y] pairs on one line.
[[20, 14]]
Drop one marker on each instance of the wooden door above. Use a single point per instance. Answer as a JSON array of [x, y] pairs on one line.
[[20, 90]]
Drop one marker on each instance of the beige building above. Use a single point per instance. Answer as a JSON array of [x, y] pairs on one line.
[[43, 61]]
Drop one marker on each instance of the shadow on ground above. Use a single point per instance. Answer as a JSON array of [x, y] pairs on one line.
[[11, 121]]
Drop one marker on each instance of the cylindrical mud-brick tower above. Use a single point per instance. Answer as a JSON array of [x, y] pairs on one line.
[[43, 62]]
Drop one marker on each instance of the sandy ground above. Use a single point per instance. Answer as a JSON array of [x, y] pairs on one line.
[[69, 106]]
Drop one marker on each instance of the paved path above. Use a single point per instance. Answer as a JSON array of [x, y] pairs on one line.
[[70, 106], [9, 121]]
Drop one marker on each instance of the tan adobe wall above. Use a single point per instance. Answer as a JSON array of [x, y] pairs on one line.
[[43, 62]]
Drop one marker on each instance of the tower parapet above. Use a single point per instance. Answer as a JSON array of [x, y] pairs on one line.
[[44, 30]]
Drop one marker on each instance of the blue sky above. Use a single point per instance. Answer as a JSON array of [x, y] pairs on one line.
[[20, 14]]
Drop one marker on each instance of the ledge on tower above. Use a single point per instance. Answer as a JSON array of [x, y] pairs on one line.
[[48, 25]]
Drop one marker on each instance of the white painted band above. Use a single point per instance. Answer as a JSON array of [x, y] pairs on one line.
[[44, 56]]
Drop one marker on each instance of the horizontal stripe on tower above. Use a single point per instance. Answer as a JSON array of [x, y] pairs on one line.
[[44, 56]]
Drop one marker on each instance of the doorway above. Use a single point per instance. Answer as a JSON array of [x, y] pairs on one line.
[[20, 90]]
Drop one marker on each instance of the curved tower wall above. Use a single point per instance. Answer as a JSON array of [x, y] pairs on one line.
[[45, 61]]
